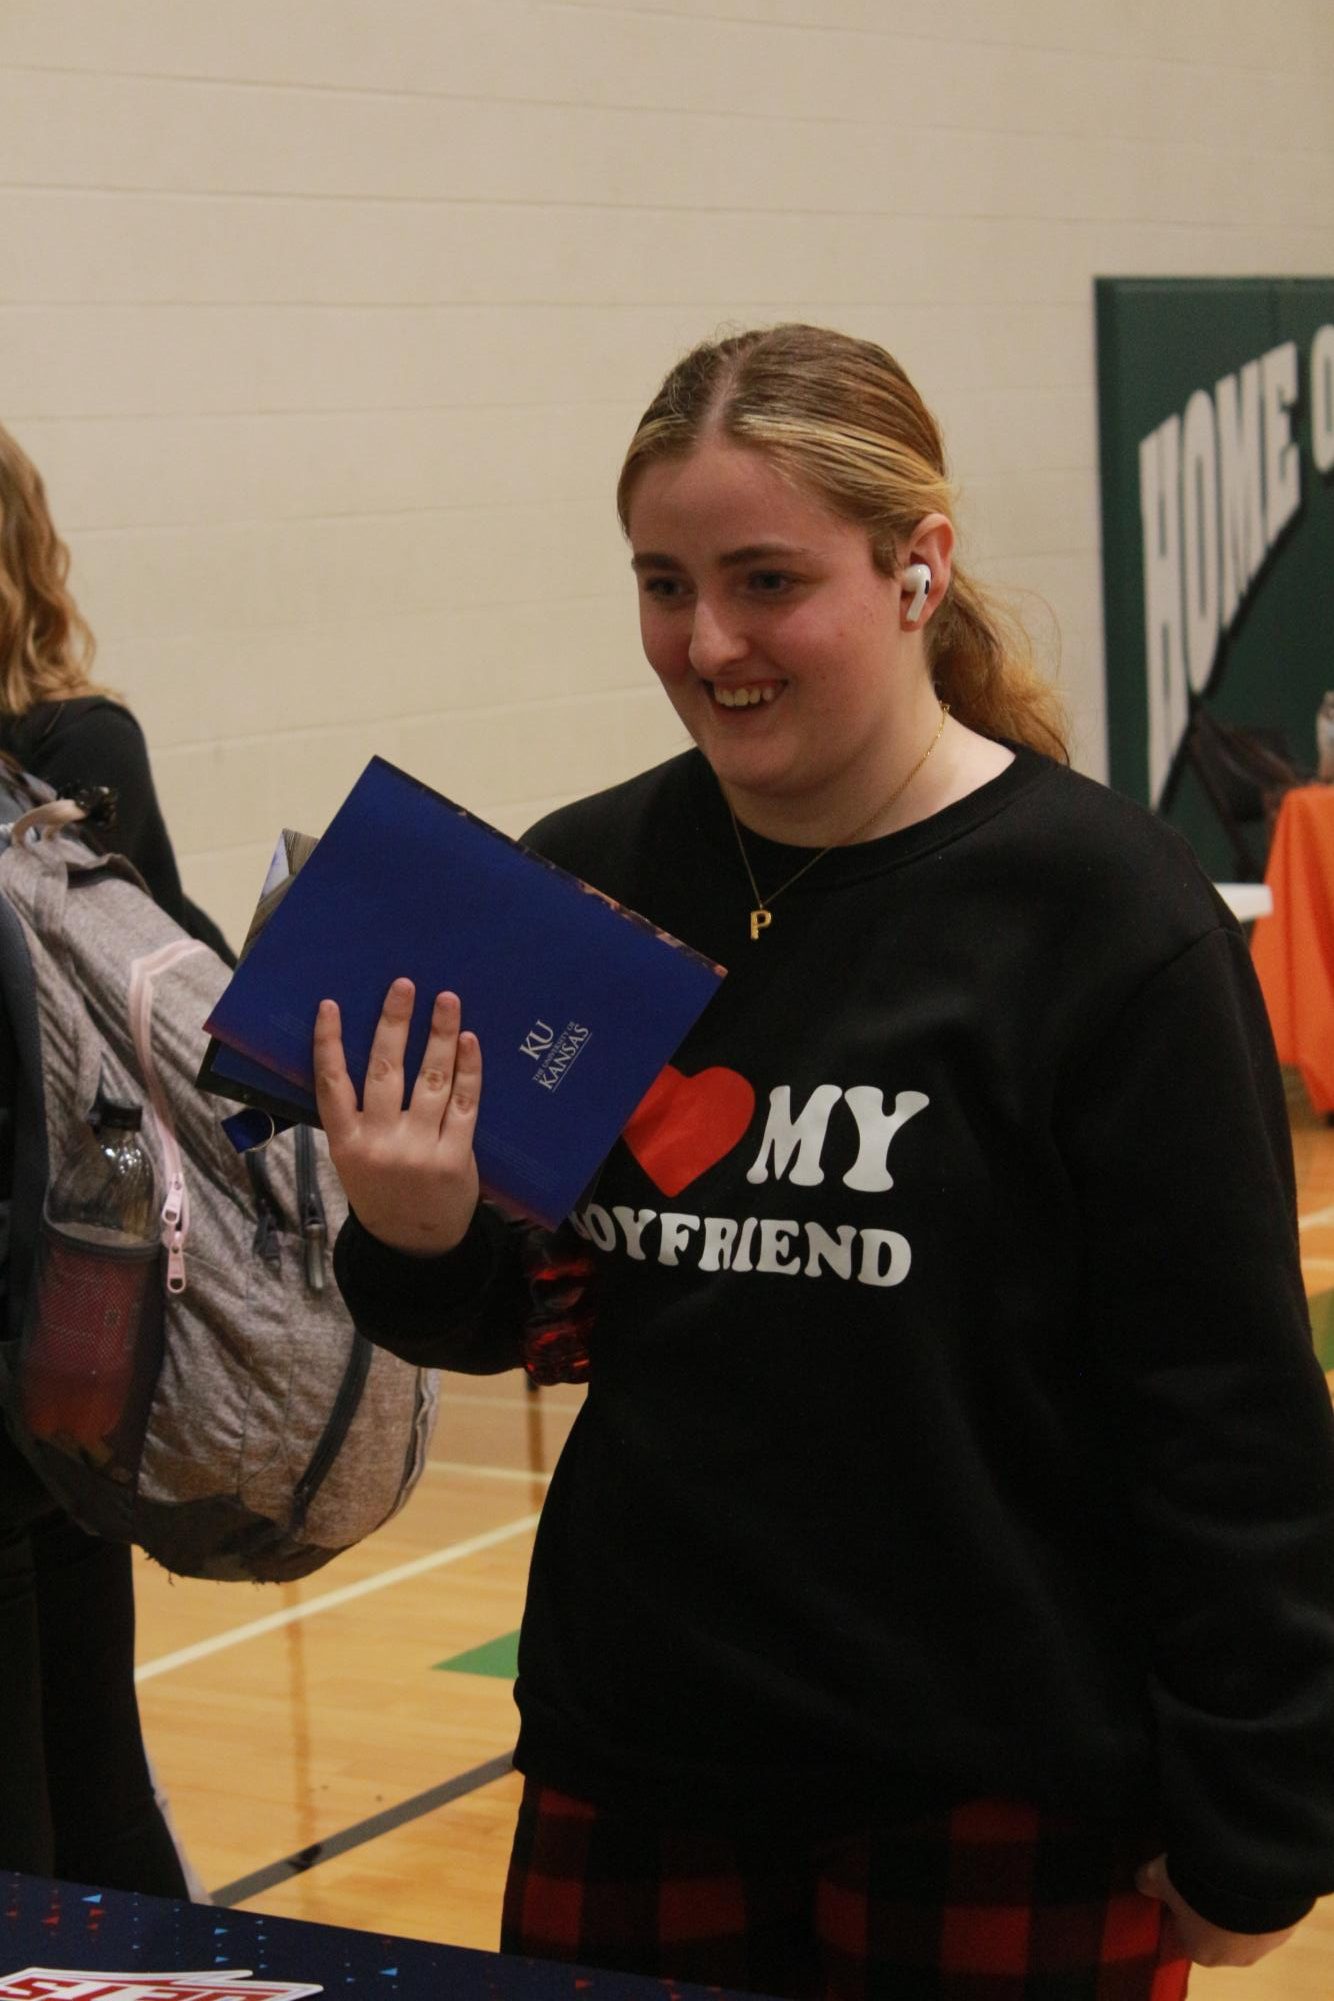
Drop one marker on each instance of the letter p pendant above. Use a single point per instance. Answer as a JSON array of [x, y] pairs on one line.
[[760, 920]]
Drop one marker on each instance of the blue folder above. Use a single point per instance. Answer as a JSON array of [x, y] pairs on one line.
[[578, 1003]]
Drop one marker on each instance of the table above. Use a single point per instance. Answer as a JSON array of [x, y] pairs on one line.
[[68, 1925], [1293, 949]]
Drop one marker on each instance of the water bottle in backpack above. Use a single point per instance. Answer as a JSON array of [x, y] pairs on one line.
[[92, 1354], [106, 1192]]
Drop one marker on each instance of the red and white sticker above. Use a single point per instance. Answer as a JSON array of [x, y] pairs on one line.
[[53, 1983]]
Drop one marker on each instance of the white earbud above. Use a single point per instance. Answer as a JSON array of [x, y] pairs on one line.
[[917, 579]]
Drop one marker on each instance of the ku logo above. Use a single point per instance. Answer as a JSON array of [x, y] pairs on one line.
[[554, 1054], [537, 1042]]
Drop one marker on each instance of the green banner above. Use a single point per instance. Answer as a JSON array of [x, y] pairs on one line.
[[1216, 434]]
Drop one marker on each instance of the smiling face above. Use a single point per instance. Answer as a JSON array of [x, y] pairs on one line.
[[781, 646]]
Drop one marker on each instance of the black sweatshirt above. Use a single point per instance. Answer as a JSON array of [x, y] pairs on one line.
[[90, 740], [953, 1425]]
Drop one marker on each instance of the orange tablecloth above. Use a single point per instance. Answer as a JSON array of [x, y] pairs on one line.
[[1293, 949]]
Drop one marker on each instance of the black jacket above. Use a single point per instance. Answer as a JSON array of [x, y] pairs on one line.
[[91, 741]]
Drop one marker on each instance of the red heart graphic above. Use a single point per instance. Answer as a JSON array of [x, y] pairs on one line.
[[684, 1124]]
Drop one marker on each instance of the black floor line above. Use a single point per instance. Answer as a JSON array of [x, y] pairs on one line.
[[361, 1831]]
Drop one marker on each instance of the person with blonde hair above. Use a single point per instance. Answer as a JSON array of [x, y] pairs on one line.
[[78, 1798], [55, 720], [935, 1595]]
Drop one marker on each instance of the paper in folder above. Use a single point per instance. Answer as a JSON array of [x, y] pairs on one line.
[[577, 1002]]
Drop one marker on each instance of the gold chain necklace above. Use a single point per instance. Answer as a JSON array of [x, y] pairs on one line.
[[761, 917]]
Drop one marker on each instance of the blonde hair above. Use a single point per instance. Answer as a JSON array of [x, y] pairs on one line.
[[840, 418], [46, 649]]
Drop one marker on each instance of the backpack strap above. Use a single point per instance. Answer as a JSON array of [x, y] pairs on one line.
[[18, 997], [45, 820], [49, 859]]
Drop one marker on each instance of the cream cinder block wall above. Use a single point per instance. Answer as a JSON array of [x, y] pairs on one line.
[[328, 323]]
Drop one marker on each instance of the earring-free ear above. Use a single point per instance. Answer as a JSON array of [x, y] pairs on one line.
[[917, 579]]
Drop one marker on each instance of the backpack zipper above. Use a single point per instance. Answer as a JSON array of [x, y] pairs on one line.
[[144, 973], [267, 1244], [313, 1220]]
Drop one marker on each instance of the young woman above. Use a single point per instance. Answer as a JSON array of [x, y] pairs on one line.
[[936, 1593], [77, 1798], [55, 720]]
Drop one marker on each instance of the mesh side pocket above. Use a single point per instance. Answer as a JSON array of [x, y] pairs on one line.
[[92, 1350]]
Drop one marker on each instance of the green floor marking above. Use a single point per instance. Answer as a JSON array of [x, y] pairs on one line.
[[1322, 1327], [497, 1657]]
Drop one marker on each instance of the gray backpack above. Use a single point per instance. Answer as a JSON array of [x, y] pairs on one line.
[[233, 1423]]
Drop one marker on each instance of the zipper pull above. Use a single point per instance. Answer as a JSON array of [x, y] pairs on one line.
[[314, 1223], [315, 1236], [174, 1233], [267, 1240], [266, 1246]]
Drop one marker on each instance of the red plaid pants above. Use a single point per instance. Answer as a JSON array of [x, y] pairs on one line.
[[992, 1901]]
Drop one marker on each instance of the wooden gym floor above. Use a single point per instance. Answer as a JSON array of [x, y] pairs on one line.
[[338, 1749]]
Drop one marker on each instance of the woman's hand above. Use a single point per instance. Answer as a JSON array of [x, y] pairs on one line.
[[409, 1174], [1206, 1944]]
